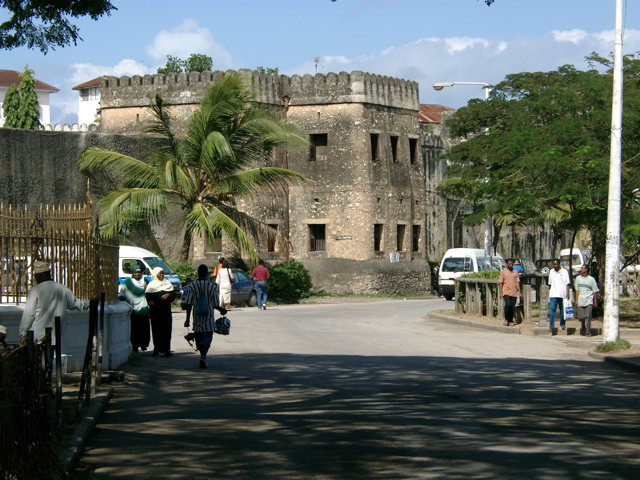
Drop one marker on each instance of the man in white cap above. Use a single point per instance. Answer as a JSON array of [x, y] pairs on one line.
[[45, 301]]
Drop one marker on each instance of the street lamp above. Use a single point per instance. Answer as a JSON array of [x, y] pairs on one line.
[[487, 221]]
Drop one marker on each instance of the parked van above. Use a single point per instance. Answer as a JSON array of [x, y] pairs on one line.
[[463, 260], [579, 257], [132, 257]]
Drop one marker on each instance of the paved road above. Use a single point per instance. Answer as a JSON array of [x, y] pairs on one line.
[[368, 390]]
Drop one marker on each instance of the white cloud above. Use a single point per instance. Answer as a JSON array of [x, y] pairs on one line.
[[185, 39], [466, 59]]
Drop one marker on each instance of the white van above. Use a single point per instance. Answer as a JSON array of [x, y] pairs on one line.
[[132, 257], [463, 260], [579, 257]]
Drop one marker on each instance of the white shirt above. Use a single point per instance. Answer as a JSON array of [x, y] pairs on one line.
[[45, 302], [558, 282]]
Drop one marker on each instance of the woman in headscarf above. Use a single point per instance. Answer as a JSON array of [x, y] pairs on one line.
[[160, 295], [133, 292], [224, 280]]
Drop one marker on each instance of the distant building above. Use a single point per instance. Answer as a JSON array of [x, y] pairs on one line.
[[12, 77], [89, 100]]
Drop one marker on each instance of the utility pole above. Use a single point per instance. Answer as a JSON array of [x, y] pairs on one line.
[[612, 265]]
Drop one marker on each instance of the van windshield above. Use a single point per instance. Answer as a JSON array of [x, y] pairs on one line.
[[459, 264], [156, 262]]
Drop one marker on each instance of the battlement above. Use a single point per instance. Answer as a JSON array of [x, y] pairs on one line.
[[319, 89], [74, 127]]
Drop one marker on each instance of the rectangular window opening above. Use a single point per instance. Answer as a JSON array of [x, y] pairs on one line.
[[394, 147], [416, 238], [375, 147], [319, 146], [317, 238], [377, 237], [413, 150], [271, 238]]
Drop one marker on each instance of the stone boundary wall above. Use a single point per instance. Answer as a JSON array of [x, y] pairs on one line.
[[319, 89]]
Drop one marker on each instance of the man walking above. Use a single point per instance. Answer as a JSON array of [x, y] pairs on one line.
[[47, 300], [586, 291], [509, 291], [559, 285], [202, 294], [260, 274]]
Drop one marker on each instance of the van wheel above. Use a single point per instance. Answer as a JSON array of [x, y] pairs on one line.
[[448, 297], [253, 300], [544, 269]]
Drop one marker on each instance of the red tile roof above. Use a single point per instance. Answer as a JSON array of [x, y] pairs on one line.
[[432, 113], [91, 83], [11, 77]]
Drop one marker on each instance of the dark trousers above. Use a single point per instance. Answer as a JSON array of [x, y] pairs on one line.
[[509, 307]]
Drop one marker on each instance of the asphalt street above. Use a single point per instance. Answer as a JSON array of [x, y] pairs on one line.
[[368, 390]]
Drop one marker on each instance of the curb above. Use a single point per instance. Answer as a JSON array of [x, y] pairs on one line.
[[470, 323], [70, 455], [620, 362]]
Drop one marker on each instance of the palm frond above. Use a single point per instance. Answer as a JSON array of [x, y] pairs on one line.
[[114, 163]]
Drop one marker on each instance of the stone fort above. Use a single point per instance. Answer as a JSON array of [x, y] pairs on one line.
[[371, 220]]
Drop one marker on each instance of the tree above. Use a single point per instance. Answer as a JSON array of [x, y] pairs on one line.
[[10, 107], [29, 111], [545, 149], [197, 62], [223, 158], [45, 24], [21, 109], [267, 70]]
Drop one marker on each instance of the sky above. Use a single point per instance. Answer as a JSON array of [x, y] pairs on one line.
[[427, 41]]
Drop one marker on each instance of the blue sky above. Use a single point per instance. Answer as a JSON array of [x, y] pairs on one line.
[[423, 40]]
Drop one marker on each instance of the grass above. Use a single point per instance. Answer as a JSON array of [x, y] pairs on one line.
[[620, 344]]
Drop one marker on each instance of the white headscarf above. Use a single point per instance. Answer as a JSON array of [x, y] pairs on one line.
[[157, 285]]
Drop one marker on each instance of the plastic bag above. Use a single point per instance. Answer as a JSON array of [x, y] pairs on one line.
[[568, 309]]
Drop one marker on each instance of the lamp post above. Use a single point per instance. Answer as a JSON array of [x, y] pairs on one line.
[[487, 221]]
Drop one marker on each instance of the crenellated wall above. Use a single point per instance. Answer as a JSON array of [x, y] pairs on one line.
[[319, 89]]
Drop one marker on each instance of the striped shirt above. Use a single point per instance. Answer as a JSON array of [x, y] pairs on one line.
[[197, 288]]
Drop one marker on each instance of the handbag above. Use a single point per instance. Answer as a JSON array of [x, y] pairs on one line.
[[222, 326], [568, 309]]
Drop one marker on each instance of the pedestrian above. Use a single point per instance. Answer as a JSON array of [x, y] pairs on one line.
[[517, 267], [160, 295], [218, 267], [46, 301], [260, 274], [202, 294], [509, 285], [586, 292], [559, 285], [225, 280], [133, 292]]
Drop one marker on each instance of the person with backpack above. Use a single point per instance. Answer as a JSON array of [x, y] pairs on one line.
[[201, 299]]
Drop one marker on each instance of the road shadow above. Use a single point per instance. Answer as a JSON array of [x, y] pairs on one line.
[[343, 417]]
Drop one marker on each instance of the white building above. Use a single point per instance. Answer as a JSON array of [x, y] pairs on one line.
[[89, 101], [11, 77]]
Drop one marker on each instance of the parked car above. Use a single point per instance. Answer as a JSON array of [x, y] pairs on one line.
[[545, 265], [243, 290], [458, 261]]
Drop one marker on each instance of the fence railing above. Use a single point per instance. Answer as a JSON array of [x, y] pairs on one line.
[[63, 236], [481, 297]]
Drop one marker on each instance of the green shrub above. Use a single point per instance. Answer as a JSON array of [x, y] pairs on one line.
[[619, 344], [185, 271], [289, 282]]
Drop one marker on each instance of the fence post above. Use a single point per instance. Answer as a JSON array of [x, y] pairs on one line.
[[543, 318], [85, 388], [526, 303], [58, 350]]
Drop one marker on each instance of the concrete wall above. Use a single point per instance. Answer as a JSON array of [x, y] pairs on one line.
[[75, 331]]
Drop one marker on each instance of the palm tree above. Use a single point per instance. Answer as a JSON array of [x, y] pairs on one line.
[[224, 157]]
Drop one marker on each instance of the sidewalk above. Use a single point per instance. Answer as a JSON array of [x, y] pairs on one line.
[[628, 359]]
